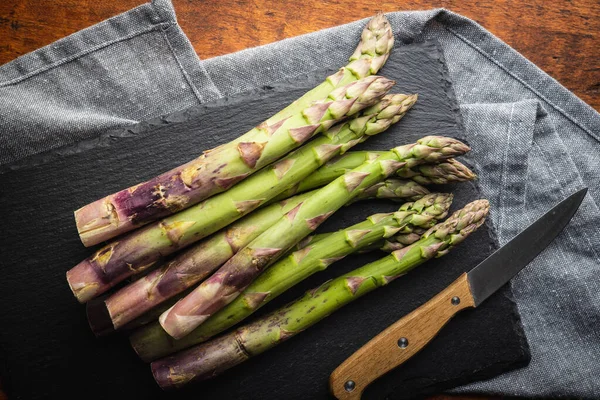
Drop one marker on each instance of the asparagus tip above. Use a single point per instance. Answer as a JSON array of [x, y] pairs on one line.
[[379, 23]]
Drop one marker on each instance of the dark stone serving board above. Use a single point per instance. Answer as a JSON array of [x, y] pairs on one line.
[[48, 350]]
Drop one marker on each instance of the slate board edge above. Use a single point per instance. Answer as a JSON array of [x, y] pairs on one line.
[[520, 332]]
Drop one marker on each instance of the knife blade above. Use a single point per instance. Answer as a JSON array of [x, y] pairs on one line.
[[406, 337]]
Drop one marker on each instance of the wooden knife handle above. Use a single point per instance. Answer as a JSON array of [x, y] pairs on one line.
[[400, 341]]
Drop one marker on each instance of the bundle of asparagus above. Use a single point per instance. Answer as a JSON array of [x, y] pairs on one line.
[[153, 342], [218, 169], [144, 247], [252, 204], [142, 301], [237, 273], [199, 261], [212, 358], [193, 265]]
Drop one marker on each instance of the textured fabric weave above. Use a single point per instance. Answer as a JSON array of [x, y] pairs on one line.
[[534, 143]]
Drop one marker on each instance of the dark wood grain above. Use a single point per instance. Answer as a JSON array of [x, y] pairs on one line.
[[562, 38]]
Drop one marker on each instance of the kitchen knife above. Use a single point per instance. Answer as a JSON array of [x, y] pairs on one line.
[[406, 337]]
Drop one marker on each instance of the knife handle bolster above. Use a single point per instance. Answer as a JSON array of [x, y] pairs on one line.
[[400, 341]]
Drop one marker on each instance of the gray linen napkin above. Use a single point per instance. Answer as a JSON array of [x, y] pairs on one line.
[[525, 168], [132, 67], [534, 143]]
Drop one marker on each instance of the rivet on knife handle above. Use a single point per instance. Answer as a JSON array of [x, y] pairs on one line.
[[400, 341]]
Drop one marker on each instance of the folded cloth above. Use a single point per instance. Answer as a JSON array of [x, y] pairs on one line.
[[129, 68], [525, 168], [140, 64]]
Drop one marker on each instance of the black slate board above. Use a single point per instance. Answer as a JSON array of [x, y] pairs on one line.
[[49, 351]]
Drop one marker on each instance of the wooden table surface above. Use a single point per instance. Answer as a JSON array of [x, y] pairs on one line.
[[562, 38]]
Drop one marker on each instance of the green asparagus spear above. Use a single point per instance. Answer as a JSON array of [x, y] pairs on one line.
[[394, 189], [445, 172], [439, 174]]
